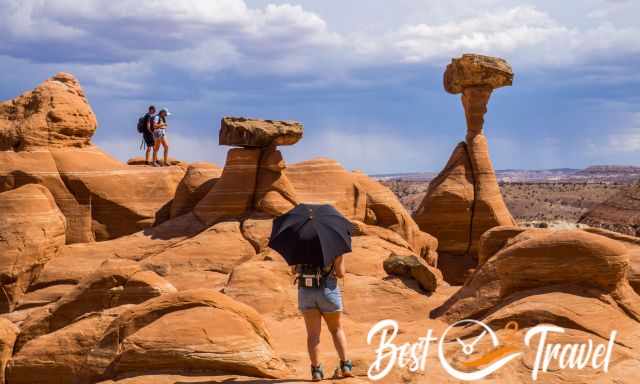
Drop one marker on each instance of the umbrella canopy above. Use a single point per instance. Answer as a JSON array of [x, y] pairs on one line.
[[312, 234]]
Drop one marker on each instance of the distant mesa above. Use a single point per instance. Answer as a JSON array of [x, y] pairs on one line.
[[247, 132]]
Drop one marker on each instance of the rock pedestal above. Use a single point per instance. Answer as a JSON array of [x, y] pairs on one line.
[[253, 177], [464, 200]]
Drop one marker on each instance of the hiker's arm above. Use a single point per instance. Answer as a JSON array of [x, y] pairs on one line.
[[340, 270], [149, 126]]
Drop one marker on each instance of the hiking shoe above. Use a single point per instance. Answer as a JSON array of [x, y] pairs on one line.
[[316, 373], [346, 367], [155, 164]]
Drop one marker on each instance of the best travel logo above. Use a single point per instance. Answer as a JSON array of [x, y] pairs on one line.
[[475, 365]]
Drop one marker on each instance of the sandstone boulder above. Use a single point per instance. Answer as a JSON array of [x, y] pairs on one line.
[[115, 283], [593, 261], [472, 70], [60, 356], [198, 330], [212, 254], [369, 253], [32, 230], [266, 286], [257, 230], [196, 183], [244, 132], [8, 333], [55, 114], [428, 277]]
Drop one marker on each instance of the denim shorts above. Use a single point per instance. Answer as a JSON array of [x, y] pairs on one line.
[[159, 133], [327, 299]]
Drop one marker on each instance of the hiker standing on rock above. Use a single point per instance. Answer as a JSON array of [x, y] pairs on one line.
[[160, 136], [145, 126], [313, 238]]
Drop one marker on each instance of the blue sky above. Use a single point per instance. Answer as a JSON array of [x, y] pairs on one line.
[[365, 77]]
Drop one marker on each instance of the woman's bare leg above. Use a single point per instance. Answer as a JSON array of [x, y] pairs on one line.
[[156, 148], [313, 321], [165, 145], [337, 333]]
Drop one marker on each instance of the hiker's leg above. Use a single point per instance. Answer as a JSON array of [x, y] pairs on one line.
[[165, 145], [156, 147], [313, 321], [337, 333], [146, 155]]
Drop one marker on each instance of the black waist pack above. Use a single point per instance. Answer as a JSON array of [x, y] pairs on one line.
[[310, 276]]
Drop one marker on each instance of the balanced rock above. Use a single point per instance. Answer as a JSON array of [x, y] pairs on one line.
[[55, 114], [244, 132], [464, 200], [32, 231], [473, 70]]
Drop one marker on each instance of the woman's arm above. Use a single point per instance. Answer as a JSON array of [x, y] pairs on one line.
[[339, 267]]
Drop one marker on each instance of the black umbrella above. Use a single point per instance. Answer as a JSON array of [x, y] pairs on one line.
[[312, 234]]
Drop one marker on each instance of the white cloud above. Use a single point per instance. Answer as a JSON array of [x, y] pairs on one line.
[[285, 39], [628, 139]]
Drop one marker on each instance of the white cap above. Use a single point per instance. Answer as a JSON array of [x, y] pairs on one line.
[[166, 110]]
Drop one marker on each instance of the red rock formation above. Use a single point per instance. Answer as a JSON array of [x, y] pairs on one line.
[[45, 138], [194, 186], [464, 200], [55, 114], [244, 132], [32, 231], [8, 333]]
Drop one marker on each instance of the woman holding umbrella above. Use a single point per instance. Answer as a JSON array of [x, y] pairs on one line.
[[313, 239]]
